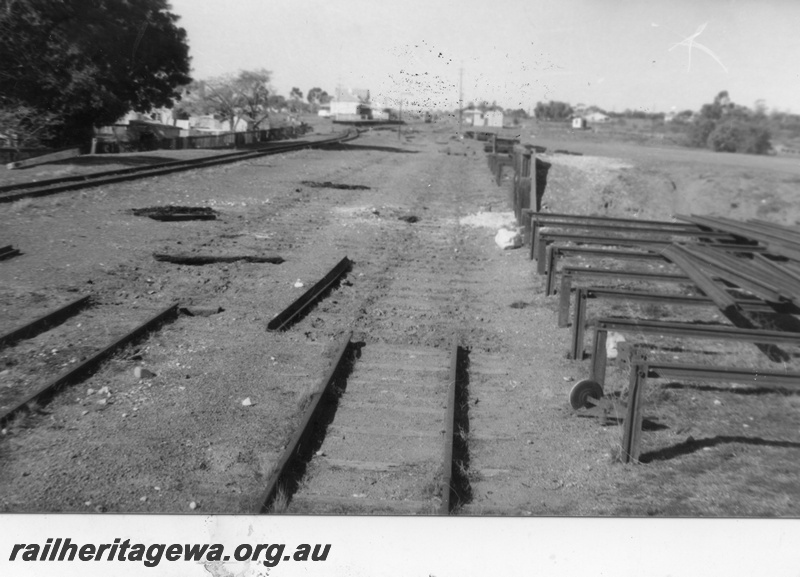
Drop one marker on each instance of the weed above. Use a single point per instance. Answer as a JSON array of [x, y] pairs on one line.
[[20, 419], [305, 396], [280, 503]]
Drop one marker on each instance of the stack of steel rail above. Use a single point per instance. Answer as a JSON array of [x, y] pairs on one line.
[[724, 258], [773, 275]]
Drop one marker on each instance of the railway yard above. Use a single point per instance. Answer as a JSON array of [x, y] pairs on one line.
[[437, 373]]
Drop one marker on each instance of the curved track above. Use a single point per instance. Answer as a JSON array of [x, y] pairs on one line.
[[19, 191]]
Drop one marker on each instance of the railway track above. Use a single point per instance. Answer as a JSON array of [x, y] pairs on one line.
[[380, 444], [410, 288], [13, 192], [28, 393]]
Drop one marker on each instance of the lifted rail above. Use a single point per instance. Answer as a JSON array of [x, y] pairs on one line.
[[288, 316], [44, 322], [87, 367], [8, 252]]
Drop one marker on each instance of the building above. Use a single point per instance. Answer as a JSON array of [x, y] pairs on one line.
[[351, 104], [596, 118], [490, 118], [493, 118], [578, 123]]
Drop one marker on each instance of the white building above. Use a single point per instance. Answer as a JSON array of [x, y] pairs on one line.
[[351, 104], [493, 118], [596, 117]]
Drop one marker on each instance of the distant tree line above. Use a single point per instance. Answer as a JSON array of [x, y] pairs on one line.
[[721, 125], [248, 96]]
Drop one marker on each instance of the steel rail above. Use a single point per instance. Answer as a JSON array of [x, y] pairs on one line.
[[775, 242], [641, 371], [543, 237], [756, 272], [720, 332], [569, 273], [122, 171], [535, 218], [679, 256], [583, 294], [736, 272], [305, 431], [285, 318], [692, 231], [44, 322], [86, 368], [772, 226], [554, 252], [44, 188], [8, 252], [449, 432]]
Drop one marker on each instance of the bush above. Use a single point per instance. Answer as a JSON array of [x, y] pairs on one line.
[[739, 136], [699, 132]]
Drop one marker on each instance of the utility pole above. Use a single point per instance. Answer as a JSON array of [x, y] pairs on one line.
[[460, 99]]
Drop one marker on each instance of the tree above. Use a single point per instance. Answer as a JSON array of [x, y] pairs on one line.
[[317, 96], [231, 97], [88, 63], [296, 96], [553, 110], [724, 126], [734, 135], [277, 102]]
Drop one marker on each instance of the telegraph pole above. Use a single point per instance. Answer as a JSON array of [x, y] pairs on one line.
[[460, 99]]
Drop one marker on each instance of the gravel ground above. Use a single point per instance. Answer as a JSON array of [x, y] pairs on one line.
[[203, 434]]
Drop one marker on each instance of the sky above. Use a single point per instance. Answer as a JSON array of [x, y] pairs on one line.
[[651, 55]]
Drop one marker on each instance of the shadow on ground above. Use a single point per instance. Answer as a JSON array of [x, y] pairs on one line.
[[692, 445], [117, 159], [360, 148]]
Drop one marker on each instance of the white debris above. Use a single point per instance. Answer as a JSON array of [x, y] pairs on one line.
[[193, 505], [103, 391], [247, 402], [717, 402], [298, 284], [568, 379], [142, 373], [508, 238], [612, 341]]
